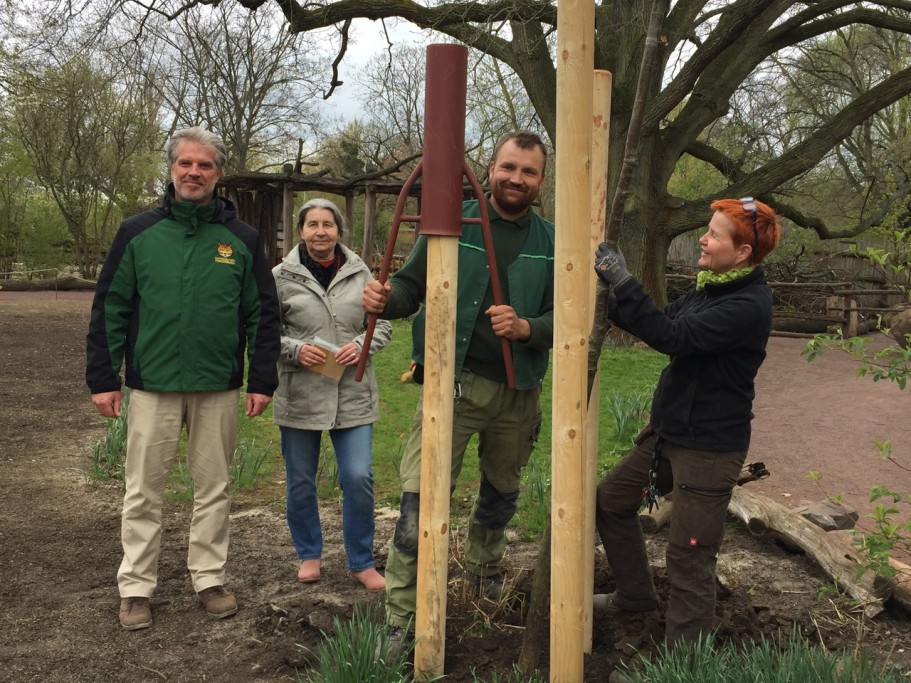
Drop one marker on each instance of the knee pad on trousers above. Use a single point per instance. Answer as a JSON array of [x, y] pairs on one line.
[[494, 509], [405, 538]]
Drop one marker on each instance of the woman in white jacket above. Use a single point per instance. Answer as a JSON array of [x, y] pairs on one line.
[[319, 286]]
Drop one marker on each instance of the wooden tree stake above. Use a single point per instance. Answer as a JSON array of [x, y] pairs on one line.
[[601, 99], [573, 279]]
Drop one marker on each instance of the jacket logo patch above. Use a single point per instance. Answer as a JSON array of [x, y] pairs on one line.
[[225, 252]]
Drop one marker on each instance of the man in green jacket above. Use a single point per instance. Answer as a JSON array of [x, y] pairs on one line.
[[184, 299], [506, 420]]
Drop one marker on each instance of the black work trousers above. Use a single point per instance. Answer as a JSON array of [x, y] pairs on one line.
[[701, 482]]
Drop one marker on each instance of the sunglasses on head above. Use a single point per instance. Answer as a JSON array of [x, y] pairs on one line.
[[749, 206]]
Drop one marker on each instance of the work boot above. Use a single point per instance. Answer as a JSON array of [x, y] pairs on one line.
[[218, 602], [607, 605], [490, 587], [135, 613], [393, 644]]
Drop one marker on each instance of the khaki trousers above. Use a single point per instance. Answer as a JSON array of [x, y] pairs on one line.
[[154, 422]]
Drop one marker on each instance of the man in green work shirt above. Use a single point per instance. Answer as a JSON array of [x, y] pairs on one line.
[[506, 420]]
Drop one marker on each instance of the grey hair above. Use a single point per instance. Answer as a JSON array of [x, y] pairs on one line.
[[201, 136], [320, 203]]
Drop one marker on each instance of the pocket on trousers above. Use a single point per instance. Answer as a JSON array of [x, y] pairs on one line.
[[534, 432], [699, 516]]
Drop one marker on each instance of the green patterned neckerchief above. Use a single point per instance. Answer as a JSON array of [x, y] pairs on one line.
[[704, 277]]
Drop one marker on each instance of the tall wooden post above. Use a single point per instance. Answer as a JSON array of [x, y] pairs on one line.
[[348, 237], [601, 100], [289, 238], [369, 224], [441, 220], [573, 279]]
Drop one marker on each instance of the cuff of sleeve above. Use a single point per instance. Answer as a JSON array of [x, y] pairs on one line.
[[294, 357], [540, 337], [625, 281], [257, 388], [105, 388]]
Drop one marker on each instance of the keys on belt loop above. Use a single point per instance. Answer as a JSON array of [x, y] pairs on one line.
[[650, 493], [457, 393]]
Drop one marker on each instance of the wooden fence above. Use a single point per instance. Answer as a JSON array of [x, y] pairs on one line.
[[802, 309]]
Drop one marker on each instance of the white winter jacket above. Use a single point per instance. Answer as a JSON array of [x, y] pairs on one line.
[[305, 399]]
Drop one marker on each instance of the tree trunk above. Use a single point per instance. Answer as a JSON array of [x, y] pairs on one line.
[[537, 621]]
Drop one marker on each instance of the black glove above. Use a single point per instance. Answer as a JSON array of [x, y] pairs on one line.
[[611, 266]]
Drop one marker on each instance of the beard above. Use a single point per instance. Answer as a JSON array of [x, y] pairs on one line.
[[193, 193], [512, 202]]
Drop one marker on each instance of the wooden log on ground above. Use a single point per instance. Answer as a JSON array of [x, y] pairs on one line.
[[62, 283], [653, 520], [762, 513], [900, 583], [802, 325]]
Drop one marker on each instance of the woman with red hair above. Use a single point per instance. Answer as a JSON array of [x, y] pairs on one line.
[[699, 430]]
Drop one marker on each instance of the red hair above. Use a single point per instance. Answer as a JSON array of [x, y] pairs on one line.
[[768, 229]]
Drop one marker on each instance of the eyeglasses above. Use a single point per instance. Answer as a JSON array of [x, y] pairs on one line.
[[749, 206]]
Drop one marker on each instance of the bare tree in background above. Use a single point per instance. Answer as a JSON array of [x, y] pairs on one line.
[[93, 138], [868, 174], [709, 51], [244, 76]]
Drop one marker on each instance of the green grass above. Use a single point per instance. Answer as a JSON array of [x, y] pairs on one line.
[[627, 379], [348, 655], [107, 453], [792, 661]]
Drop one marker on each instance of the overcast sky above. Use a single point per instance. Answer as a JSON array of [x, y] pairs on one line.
[[366, 39]]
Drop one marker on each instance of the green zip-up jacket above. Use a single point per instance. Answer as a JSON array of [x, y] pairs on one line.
[[530, 284], [184, 291]]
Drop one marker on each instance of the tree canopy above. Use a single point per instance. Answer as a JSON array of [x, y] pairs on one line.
[[727, 93], [713, 55]]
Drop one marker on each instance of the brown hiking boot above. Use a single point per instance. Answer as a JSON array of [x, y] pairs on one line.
[[218, 602], [135, 613]]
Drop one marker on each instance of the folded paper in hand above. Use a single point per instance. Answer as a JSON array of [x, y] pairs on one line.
[[331, 368]]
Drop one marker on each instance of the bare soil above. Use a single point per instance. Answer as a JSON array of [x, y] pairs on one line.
[[59, 537]]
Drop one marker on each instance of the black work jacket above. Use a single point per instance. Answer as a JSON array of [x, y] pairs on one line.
[[716, 339]]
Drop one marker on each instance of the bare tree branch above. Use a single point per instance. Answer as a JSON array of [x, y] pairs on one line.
[[335, 82]]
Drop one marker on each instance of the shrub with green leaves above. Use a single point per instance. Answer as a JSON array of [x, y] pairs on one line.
[[891, 363]]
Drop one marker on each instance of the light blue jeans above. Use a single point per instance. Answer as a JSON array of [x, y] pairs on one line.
[[354, 455]]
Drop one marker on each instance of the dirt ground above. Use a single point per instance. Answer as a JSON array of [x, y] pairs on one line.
[[59, 545]]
